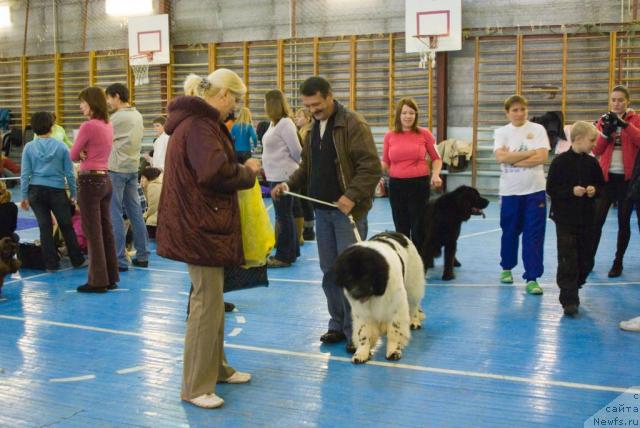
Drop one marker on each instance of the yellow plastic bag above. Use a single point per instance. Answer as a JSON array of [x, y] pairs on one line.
[[258, 237]]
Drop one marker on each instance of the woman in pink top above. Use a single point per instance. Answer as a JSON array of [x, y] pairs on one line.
[[92, 148], [404, 157]]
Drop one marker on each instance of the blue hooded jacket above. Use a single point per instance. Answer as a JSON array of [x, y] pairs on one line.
[[46, 162]]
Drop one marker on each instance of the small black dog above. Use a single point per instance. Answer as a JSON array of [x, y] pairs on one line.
[[8, 263], [441, 223]]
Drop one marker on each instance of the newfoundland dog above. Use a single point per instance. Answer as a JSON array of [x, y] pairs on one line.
[[383, 279], [8, 263], [441, 223]]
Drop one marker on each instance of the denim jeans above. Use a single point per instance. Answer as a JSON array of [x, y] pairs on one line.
[[287, 245], [334, 233], [125, 195], [44, 200]]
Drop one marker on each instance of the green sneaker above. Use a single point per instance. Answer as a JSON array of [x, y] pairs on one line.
[[506, 277], [534, 288]]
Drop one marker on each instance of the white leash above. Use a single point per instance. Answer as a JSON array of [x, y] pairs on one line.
[[318, 201]]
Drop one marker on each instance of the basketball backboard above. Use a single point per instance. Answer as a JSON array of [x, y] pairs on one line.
[[441, 18], [150, 35]]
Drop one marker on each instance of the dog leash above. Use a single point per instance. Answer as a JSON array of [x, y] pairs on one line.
[[318, 201]]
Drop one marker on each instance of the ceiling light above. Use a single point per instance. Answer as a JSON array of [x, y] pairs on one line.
[[129, 7]]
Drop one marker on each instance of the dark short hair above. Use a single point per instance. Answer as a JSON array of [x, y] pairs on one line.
[[94, 96], [150, 173], [315, 84], [624, 90], [118, 89], [515, 99], [159, 119], [41, 122]]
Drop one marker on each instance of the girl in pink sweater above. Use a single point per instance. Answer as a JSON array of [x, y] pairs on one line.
[[93, 147], [404, 157]]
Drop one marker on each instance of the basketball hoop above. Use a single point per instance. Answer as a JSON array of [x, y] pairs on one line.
[[428, 51], [140, 67]]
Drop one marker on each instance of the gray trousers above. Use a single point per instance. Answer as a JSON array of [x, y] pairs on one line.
[[334, 233]]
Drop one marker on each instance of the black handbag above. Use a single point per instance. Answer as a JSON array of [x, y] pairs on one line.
[[30, 255]]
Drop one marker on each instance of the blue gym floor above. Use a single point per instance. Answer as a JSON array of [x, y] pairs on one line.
[[489, 354]]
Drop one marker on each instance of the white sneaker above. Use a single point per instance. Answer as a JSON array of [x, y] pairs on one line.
[[631, 325], [238, 377], [207, 401]]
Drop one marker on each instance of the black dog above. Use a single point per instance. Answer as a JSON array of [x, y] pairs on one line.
[[8, 263], [440, 225]]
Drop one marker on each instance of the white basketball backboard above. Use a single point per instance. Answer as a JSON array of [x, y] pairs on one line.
[[441, 18], [150, 34]]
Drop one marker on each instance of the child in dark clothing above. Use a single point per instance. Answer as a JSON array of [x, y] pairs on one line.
[[8, 214], [575, 179]]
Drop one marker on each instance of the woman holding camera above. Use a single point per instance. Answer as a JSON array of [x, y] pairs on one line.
[[617, 148]]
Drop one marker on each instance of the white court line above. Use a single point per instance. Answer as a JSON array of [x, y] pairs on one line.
[[34, 276], [240, 319], [152, 290], [236, 331], [471, 235], [184, 293], [130, 370], [269, 207], [161, 299], [543, 284], [73, 379], [301, 281], [2, 299], [328, 357]]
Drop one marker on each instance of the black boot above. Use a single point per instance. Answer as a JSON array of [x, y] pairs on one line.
[[616, 269]]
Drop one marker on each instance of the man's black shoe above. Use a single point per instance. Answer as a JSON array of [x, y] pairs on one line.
[[140, 263], [332, 336]]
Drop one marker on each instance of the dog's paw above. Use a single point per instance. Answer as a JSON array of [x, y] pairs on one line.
[[394, 356], [448, 276], [415, 325], [360, 358], [421, 314]]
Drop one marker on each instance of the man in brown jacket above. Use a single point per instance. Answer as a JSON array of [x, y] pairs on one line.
[[340, 164]]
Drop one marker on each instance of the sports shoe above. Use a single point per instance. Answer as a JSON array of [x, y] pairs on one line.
[[308, 234], [631, 325], [207, 401], [506, 277], [237, 378], [86, 288], [534, 288]]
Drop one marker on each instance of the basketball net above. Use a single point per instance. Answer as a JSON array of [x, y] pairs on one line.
[[140, 67], [428, 52]]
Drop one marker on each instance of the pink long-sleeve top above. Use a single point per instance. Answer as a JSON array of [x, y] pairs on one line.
[[406, 152], [96, 137]]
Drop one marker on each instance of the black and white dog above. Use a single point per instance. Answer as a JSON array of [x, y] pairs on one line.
[[383, 279]]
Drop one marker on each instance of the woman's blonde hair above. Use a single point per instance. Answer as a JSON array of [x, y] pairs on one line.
[[306, 113], [244, 116], [209, 86], [276, 105], [582, 129]]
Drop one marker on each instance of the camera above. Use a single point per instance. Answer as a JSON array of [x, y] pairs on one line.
[[610, 123]]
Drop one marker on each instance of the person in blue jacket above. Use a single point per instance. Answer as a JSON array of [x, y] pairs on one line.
[[46, 171], [243, 135]]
